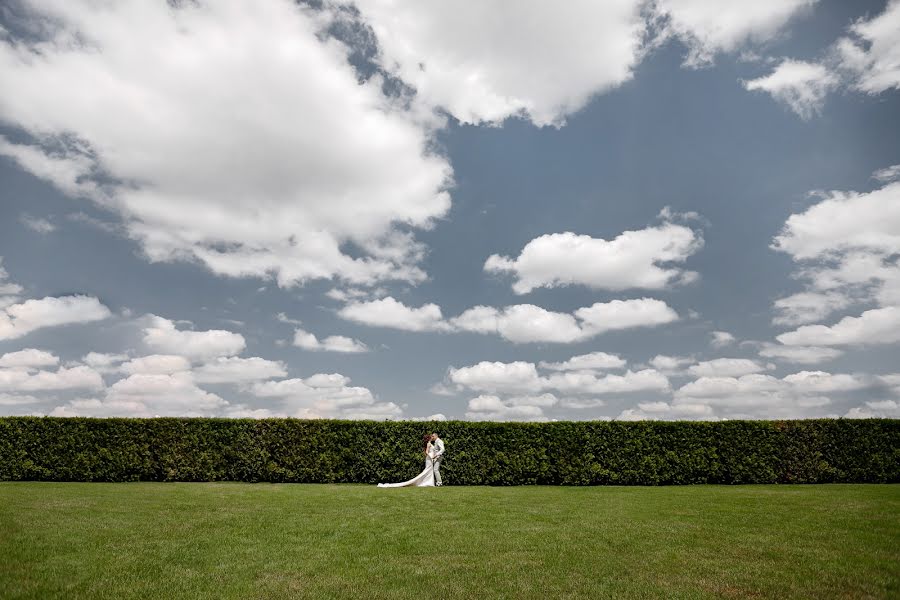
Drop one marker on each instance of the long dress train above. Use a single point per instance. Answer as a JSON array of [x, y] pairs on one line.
[[423, 479]]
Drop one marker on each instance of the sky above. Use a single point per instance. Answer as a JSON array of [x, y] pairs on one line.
[[670, 209]]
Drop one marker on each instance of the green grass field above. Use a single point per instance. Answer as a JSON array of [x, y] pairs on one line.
[[222, 540]]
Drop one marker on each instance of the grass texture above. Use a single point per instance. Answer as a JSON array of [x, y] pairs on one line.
[[234, 540]]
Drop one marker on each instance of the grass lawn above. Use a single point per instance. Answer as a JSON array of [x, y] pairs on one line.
[[232, 540]]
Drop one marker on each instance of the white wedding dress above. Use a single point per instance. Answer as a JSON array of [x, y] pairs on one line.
[[423, 479]]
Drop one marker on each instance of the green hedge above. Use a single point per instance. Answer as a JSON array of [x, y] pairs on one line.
[[565, 453]]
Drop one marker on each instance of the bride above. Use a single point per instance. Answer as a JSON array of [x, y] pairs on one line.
[[426, 477]]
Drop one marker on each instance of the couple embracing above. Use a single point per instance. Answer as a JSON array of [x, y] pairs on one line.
[[433, 448]]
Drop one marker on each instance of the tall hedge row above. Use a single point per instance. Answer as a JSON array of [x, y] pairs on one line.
[[564, 453]]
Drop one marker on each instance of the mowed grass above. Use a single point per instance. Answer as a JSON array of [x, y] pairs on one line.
[[232, 540]]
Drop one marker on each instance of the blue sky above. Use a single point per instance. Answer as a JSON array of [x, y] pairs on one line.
[[668, 210]]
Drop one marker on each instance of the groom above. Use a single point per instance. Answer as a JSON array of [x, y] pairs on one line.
[[438, 457]]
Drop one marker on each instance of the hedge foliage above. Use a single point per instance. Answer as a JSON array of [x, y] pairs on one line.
[[563, 453]]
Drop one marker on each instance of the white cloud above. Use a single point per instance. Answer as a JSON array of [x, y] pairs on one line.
[[332, 343], [625, 314], [493, 377], [522, 323], [844, 221], [22, 379], [824, 382], [720, 339], [312, 161], [764, 396], [17, 320], [286, 319], [326, 395], [595, 361], [147, 395], [156, 364], [490, 61], [8, 291], [846, 246], [434, 417], [876, 326], [808, 307], [581, 382], [872, 51], [486, 61], [670, 364], [887, 174], [726, 367], [103, 362], [492, 408], [708, 28], [234, 369], [518, 323], [37, 224], [162, 335], [389, 312], [522, 378], [28, 358], [643, 259], [799, 354], [663, 410], [7, 400], [801, 85], [880, 409]]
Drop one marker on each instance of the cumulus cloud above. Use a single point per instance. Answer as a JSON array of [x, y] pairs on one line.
[[878, 409], [867, 60], [844, 221], [147, 395], [758, 395], [518, 323], [801, 85], [871, 51], [489, 61], [663, 410], [332, 343], [524, 323], [808, 307], [726, 367], [645, 259], [162, 336], [876, 326], [29, 358], [521, 378], [625, 314], [234, 369], [389, 312], [720, 339], [140, 132], [17, 320], [670, 364], [156, 364], [8, 290], [887, 174], [22, 379], [846, 247], [104, 362], [487, 376], [595, 361], [582, 382], [707, 28], [809, 355], [325, 395], [492, 408]]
